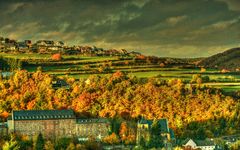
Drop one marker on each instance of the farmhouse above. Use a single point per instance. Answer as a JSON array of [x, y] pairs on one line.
[[196, 144], [10, 46], [56, 123], [22, 46], [59, 83], [58, 43]]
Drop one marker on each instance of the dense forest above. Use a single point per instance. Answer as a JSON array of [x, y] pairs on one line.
[[194, 111]]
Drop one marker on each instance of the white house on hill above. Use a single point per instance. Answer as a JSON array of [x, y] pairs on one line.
[[201, 144]]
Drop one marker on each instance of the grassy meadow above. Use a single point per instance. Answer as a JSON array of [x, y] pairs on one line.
[[80, 66]]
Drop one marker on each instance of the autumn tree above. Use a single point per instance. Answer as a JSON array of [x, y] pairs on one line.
[[162, 65], [56, 57], [49, 145], [112, 139], [235, 145], [123, 131], [122, 96], [202, 70]]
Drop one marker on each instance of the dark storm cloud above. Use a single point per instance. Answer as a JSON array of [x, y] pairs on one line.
[[154, 27]]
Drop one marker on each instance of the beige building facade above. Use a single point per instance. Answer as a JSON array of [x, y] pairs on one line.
[[56, 124]]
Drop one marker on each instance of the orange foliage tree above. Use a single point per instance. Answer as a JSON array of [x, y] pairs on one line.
[[111, 139], [57, 57]]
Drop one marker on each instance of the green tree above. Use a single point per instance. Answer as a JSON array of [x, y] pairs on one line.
[[71, 146], [11, 145], [39, 145], [235, 145], [49, 145], [62, 143], [155, 137]]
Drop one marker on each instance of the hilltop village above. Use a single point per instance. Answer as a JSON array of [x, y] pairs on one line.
[[51, 47]]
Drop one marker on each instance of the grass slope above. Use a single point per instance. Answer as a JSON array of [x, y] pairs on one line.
[[229, 59]]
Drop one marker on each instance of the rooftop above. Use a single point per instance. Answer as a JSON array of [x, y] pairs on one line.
[[42, 114], [199, 142], [144, 121], [163, 125]]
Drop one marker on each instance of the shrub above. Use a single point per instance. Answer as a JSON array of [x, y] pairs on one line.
[[56, 57]]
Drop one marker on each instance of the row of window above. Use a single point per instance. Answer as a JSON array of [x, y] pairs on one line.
[[61, 133], [43, 117]]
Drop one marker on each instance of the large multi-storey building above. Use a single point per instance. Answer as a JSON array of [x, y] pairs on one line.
[[56, 123], [64, 123]]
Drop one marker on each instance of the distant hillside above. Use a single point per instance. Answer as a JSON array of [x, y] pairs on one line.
[[229, 59]]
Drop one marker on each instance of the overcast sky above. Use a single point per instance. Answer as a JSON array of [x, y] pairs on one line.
[[174, 28]]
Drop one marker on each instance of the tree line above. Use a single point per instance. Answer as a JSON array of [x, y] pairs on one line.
[[196, 111], [8, 64]]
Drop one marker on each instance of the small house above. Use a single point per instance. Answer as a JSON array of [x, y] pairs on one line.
[[59, 43], [22, 46], [199, 144], [10, 46], [59, 83]]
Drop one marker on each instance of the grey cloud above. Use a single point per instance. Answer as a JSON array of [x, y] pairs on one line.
[[232, 4], [159, 27], [175, 20]]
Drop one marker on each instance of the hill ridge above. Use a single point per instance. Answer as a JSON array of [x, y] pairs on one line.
[[229, 59]]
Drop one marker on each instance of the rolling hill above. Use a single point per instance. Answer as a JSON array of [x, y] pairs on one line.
[[229, 59]]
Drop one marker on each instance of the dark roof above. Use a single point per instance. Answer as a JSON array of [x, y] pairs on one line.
[[144, 121], [43, 114], [48, 42], [172, 135], [3, 125], [95, 120], [204, 142], [60, 83], [22, 44], [163, 123]]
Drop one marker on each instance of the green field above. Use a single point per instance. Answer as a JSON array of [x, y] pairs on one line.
[[79, 66], [26, 56], [35, 56]]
